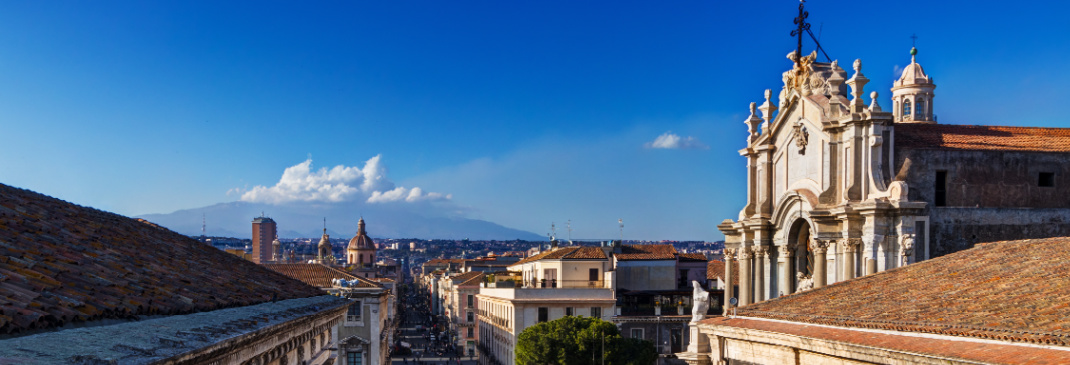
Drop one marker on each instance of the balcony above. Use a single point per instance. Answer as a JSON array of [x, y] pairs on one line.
[[563, 284], [352, 318]]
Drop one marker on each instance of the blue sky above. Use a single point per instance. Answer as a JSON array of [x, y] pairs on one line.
[[521, 113]]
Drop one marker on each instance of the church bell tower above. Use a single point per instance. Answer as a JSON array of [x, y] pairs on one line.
[[912, 94]]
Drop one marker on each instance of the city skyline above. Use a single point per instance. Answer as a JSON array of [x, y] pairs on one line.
[[520, 115]]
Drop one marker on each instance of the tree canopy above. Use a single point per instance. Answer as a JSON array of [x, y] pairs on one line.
[[577, 340]]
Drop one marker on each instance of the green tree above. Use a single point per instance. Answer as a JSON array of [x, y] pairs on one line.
[[578, 340]]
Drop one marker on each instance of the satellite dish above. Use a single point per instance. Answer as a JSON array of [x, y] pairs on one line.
[[733, 301]]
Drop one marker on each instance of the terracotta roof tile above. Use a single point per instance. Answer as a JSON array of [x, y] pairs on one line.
[[646, 252], [567, 253], [319, 275], [1012, 291], [475, 280], [694, 256], [981, 137], [715, 270], [60, 262], [971, 351], [462, 277]]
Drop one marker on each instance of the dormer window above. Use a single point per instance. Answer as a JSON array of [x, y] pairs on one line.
[[906, 109]]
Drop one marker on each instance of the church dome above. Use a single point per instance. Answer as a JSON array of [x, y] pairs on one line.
[[361, 241], [913, 74]]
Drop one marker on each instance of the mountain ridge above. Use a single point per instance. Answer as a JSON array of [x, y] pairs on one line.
[[300, 220]]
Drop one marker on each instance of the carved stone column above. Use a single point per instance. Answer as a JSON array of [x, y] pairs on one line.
[[786, 274], [745, 290], [850, 249], [729, 293], [761, 260], [820, 276]]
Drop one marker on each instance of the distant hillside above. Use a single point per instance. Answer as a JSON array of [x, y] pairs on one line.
[[306, 220], [62, 263]]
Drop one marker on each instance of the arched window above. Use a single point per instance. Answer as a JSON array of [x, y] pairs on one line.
[[361, 259], [906, 109], [919, 109]]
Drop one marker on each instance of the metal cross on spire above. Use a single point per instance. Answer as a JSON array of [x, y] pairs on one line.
[[801, 26], [914, 40]]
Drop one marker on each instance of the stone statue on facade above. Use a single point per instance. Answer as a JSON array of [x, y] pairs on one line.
[[906, 243], [805, 282], [700, 302]]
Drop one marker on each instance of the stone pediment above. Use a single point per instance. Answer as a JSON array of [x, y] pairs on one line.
[[354, 342]]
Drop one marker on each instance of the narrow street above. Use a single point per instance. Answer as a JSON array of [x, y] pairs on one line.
[[420, 332]]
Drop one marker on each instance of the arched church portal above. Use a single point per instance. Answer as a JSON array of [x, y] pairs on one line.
[[803, 262]]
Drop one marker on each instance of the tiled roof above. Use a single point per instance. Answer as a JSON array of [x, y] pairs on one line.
[[715, 270], [646, 252], [60, 263], [475, 280], [1011, 291], [462, 277], [694, 256], [972, 351], [981, 137], [319, 275], [443, 262], [567, 253]]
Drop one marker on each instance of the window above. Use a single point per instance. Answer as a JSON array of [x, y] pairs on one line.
[[1047, 179], [919, 110], [471, 317], [353, 358], [361, 256], [354, 312], [592, 275], [906, 109], [471, 332], [596, 312], [940, 198], [637, 333], [569, 311], [469, 300], [544, 314]]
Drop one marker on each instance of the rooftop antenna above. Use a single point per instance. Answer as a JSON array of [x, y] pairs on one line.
[[570, 232]]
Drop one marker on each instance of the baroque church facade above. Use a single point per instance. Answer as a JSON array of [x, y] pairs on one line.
[[837, 188]]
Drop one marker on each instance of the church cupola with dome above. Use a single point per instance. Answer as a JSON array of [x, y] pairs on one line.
[[912, 94], [361, 250], [324, 254]]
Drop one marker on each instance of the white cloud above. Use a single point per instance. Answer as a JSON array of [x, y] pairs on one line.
[[672, 141], [340, 183]]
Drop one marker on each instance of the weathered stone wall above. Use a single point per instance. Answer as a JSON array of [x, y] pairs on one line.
[[747, 352], [991, 195]]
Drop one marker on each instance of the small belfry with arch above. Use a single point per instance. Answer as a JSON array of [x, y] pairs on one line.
[[822, 202]]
